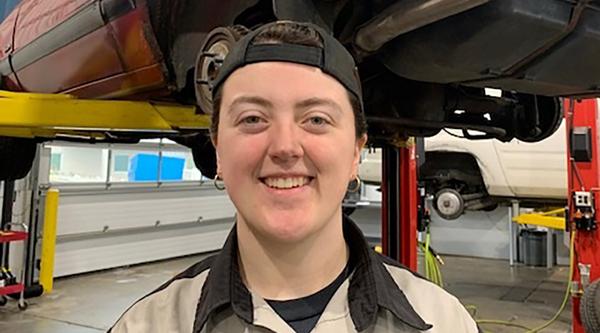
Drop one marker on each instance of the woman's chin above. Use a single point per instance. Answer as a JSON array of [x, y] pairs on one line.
[[287, 228]]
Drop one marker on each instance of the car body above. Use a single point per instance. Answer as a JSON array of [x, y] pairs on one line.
[[419, 63], [92, 49], [485, 172], [514, 169]]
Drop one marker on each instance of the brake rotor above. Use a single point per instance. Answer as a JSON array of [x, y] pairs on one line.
[[449, 204], [216, 47]]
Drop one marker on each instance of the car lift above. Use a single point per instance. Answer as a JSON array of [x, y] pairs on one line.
[[56, 116], [584, 183], [400, 201], [62, 116]]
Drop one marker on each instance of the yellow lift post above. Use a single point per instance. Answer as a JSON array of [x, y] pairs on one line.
[[49, 116], [49, 240]]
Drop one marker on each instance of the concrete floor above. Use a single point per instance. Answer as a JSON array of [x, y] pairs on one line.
[[92, 302], [523, 295]]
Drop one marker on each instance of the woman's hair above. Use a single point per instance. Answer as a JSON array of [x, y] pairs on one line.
[[291, 33]]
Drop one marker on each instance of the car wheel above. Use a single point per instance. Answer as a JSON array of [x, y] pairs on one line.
[[205, 158], [16, 157], [210, 58], [589, 308], [449, 204]]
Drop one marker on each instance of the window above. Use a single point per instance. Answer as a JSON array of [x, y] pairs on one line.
[[6, 7], [121, 163], [189, 164], [82, 163], [71, 164], [55, 162]]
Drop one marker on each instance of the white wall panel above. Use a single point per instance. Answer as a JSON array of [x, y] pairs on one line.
[[480, 234], [99, 228], [89, 254], [475, 234], [107, 211]]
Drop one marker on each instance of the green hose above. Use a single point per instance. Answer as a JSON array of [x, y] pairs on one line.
[[560, 310], [432, 261]]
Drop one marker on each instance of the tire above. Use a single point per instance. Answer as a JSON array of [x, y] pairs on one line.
[[205, 157], [3, 300], [16, 157], [589, 308], [491, 208]]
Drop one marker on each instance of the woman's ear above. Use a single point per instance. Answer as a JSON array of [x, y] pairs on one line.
[[213, 139], [360, 144], [218, 172]]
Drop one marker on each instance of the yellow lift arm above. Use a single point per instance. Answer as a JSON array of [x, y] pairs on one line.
[[554, 219], [51, 115]]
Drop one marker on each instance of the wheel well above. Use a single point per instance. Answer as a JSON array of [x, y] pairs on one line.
[[182, 26], [257, 14], [451, 170]]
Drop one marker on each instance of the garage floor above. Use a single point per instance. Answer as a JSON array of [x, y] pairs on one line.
[[92, 302]]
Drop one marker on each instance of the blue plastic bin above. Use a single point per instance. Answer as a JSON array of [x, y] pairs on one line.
[[144, 167]]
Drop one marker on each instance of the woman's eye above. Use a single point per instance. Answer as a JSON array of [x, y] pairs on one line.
[[319, 121], [252, 123], [251, 120]]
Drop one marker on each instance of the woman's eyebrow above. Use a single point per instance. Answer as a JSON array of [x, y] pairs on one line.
[[251, 100], [318, 101]]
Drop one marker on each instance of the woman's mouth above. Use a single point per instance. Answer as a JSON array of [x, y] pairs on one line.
[[284, 183]]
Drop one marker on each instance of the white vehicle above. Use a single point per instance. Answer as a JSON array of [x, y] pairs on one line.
[[477, 174]]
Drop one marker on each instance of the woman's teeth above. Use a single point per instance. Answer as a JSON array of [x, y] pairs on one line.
[[285, 183]]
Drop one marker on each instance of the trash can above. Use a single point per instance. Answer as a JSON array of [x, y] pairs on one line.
[[533, 247]]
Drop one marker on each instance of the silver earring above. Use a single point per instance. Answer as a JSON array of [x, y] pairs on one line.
[[356, 187], [216, 182]]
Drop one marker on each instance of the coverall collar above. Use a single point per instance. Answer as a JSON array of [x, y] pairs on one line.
[[371, 286]]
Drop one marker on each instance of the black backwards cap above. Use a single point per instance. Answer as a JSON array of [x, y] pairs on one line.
[[332, 58]]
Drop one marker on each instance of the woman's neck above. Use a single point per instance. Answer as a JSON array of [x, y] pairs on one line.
[[281, 271]]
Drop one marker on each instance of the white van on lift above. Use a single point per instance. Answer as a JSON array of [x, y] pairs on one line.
[[478, 174]]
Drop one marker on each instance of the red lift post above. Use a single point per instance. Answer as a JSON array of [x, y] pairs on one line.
[[584, 183], [399, 204], [400, 200]]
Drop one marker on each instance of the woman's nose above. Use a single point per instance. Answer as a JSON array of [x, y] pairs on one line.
[[285, 143]]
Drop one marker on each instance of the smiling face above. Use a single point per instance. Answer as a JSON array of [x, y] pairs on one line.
[[286, 148]]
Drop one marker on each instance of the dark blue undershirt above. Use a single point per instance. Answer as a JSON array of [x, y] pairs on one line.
[[302, 314]]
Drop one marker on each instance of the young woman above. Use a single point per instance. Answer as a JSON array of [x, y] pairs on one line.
[[288, 128]]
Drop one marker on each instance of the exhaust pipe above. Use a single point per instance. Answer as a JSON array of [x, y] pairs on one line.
[[407, 15]]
